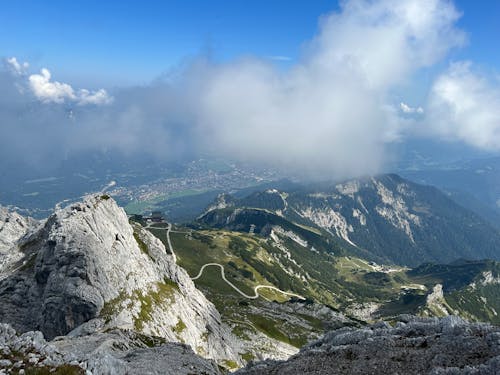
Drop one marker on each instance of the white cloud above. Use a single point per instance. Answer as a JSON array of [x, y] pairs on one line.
[[93, 97], [16, 67], [56, 92], [465, 105], [410, 110], [330, 111], [385, 41], [48, 91]]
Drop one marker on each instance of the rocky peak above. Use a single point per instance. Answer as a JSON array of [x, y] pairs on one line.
[[87, 263]]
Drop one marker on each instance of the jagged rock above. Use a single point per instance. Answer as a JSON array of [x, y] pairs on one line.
[[13, 227], [448, 345], [116, 352], [87, 262]]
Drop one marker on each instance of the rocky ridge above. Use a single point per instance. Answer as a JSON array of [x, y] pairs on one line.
[[115, 352], [385, 218], [413, 345], [87, 263]]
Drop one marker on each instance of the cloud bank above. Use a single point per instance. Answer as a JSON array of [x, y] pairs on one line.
[[332, 112], [465, 105]]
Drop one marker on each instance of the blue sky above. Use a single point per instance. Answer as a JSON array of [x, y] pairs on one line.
[[481, 21], [124, 42], [136, 40]]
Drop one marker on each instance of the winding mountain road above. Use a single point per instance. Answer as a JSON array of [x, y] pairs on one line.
[[170, 247], [222, 273], [256, 289]]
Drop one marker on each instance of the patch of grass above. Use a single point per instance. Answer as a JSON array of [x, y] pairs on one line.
[[231, 365], [240, 332], [316, 323], [142, 245], [167, 283], [247, 356], [165, 291], [482, 303], [407, 303], [113, 306], [105, 197], [194, 251], [269, 327], [180, 327]]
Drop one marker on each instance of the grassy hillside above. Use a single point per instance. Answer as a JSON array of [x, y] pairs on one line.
[[299, 260], [276, 244]]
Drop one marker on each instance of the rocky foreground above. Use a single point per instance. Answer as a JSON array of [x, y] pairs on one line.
[[114, 352], [413, 346], [86, 292]]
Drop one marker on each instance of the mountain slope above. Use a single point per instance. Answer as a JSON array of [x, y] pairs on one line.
[[307, 261], [87, 262], [385, 218]]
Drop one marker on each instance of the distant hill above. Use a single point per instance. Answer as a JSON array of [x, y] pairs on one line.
[[384, 218]]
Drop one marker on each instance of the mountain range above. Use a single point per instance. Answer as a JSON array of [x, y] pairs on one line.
[[255, 278], [384, 218]]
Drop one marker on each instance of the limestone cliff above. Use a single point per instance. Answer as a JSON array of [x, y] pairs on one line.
[[88, 263]]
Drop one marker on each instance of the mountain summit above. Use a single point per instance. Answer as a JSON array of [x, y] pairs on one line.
[[87, 265]]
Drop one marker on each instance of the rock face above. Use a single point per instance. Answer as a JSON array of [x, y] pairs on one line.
[[116, 352], [12, 228], [87, 262], [413, 346]]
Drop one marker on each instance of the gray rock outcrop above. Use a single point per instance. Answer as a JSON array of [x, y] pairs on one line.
[[86, 262], [434, 346], [13, 227], [115, 353]]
